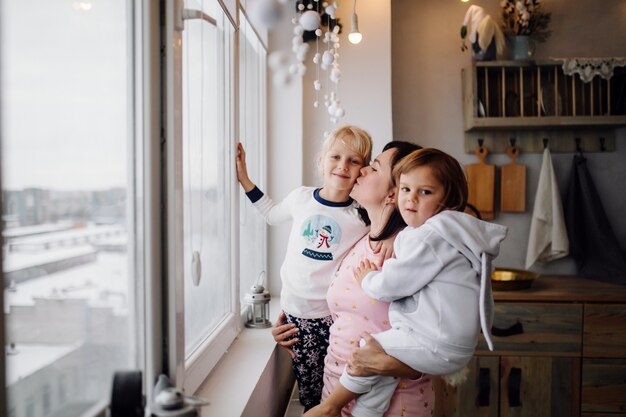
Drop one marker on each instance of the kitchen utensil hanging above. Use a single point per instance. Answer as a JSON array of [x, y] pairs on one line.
[[513, 183], [481, 180]]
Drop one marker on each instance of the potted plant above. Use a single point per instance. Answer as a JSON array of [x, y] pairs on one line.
[[524, 23]]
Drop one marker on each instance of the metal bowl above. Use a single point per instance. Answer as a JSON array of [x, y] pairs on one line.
[[512, 279]]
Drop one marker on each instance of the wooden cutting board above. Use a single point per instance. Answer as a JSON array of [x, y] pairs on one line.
[[480, 181], [513, 183]]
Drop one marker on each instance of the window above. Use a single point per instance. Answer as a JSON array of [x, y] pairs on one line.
[[68, 211], [252, 128], [207, 173], [81, 208]]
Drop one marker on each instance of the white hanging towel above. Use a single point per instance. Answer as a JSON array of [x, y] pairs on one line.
[[548, 237]]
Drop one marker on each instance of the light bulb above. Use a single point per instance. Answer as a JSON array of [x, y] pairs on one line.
[[354, 36]]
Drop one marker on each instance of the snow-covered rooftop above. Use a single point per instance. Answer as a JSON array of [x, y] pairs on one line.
[[22, 231], [103, 282], [26, 359]]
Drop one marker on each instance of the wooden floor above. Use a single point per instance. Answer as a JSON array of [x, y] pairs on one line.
[[294, 409]]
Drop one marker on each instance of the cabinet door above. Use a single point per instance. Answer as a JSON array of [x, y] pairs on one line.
[[477, 397], [604, 331], [604, 385], [539, 386]]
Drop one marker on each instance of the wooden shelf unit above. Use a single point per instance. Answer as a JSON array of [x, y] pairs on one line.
[[504, 99]]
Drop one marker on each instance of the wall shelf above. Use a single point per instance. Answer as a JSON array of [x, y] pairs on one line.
[[530, 101]]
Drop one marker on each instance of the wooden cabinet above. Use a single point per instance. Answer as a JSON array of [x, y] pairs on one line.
[[528, 386], [603, 386], [534, 328], [604, 359], [534, 100], [560, 351]]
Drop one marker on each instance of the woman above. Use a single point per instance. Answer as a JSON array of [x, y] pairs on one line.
[[354, 313]]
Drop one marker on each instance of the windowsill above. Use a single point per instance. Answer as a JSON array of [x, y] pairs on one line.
[[251, 359]]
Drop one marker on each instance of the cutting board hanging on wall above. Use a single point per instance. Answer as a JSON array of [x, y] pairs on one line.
[[513, 183], [480, 181]]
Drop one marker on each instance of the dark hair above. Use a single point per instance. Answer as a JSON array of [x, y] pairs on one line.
[[395, 223], [446, 170]]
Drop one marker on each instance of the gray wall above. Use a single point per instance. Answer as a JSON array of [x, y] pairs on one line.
[[426, 97]]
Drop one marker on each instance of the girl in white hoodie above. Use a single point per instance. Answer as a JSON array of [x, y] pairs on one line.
[[438, 284]]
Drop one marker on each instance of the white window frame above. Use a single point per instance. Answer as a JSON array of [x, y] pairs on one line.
[[148, 94], [157, 154], [261, 137], [189, 373]]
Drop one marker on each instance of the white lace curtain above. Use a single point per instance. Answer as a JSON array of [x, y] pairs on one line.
[[588, 68]]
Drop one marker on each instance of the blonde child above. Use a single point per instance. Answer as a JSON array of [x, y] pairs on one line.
[[439, 284], [326, 224]]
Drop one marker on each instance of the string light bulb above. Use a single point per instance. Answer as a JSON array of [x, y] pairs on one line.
[[354, 36]]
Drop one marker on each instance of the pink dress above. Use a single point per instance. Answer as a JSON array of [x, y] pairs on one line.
[[353, 313]]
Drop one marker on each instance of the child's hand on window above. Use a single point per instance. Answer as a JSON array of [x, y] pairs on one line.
[[242, 169], [362, 270]]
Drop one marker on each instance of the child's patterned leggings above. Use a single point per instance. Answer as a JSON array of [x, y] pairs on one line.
[[310, 353]]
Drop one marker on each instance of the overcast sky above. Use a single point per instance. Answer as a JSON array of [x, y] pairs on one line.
[[64, 93]]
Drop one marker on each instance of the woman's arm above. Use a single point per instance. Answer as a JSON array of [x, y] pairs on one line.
[[371, 359], [283, 334]]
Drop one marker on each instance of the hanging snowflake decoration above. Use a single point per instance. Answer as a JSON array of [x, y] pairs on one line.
[[316, 20]]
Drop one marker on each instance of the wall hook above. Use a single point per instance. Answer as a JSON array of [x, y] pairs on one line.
[[579, 149], [512, 142], [545, 143], [480, 143]]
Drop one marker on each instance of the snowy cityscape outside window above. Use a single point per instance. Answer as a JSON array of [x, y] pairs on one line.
[[67, 203]]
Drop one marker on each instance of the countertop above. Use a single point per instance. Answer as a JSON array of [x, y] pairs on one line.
[[566, 288]]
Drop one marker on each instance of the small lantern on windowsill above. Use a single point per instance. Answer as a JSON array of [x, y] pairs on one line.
[[258, 300]]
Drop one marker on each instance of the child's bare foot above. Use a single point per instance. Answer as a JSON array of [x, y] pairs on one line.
[[322, 410]]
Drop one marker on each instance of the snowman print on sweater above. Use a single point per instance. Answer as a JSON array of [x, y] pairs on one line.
[[320, 235]]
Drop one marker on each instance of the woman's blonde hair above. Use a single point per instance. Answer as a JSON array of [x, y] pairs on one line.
[[446, 170], [355, 138]]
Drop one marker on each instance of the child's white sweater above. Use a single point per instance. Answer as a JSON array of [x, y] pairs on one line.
[[321, 234], [436, 279]]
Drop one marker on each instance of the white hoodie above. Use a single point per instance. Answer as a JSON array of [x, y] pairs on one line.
[[440, 281]]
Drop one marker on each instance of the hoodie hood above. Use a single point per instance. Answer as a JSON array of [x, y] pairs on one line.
[[479, 242], [469, 235]]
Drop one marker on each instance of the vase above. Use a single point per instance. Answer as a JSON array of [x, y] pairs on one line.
[[521, 48]]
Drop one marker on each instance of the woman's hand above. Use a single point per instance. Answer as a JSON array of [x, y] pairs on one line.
[[384, 248], [366, 360], [283, 332], [363, 269], [371, 359], [242, 169]]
